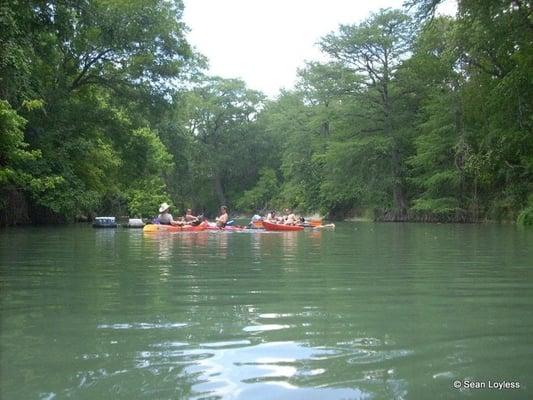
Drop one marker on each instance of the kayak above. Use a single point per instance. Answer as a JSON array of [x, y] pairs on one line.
[[279, 227], [230, 228], [257, 225], [227, 228], [174, 228], [332, 226], [315, 221], [327, 226]]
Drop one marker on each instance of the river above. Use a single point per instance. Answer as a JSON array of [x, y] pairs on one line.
[[366, 311]]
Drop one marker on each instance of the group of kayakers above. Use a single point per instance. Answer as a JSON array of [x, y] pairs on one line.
[[165, 218], [287, 218]]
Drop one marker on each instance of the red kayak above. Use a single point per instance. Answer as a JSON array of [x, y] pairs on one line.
[[174, 228], [279, 227]]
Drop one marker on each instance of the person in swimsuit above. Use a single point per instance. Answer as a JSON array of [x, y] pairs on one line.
[[222, 219]]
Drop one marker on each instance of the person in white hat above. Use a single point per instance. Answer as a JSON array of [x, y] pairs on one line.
[[165, 217]]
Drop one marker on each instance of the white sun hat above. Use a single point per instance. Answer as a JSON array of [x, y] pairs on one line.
[[163, 207]]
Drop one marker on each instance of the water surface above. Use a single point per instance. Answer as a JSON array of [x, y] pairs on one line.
[[368, 311]]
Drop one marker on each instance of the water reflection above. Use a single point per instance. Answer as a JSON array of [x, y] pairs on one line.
[[143, 325], [221, 240], [177, 246], [161, 243], [231, 370]]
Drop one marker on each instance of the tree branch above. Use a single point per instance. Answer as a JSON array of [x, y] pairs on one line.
[[78, 81]]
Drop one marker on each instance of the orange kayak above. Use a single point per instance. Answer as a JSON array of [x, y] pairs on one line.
[[315, 221], [174, 228], [257, 224], [279, 227]]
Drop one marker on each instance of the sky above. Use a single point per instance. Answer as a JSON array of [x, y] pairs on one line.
[[264, 42]]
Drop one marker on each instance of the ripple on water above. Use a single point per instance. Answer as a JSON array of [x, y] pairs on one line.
[[267, 370], [226, 344], [240, 369], [264, 328], [143, 325], [275, 315], [367, 356]]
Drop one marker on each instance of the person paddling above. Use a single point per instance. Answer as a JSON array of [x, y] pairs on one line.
[[255, 220], [271, 217], [190, 219], [222, 219], [165, 218], [291, 218]]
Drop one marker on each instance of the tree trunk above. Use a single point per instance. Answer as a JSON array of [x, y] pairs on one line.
[[398, 191], [461, 149], [219, 190], [325, 128], [325, 123], [15, 209]]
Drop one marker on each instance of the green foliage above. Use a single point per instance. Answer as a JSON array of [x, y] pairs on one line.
[[439, 122], [99, 68], [12, 145], [19, 165], [525, 217], [297, 132], [144, 155], [260, 196], [375, 49], [145, 197], [439, 206], [226, 147], [365, 158]]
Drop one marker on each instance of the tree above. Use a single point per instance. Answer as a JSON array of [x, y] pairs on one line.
[[375, 48], [497, 43], [219, 117], [19, 166], [434, 78], [294, 131], [97, 68], [259, 198]]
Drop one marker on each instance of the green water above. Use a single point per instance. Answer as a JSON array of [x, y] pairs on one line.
[[368, 311]]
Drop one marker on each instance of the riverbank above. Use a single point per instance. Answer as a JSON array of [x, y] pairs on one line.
[[28, 214]]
